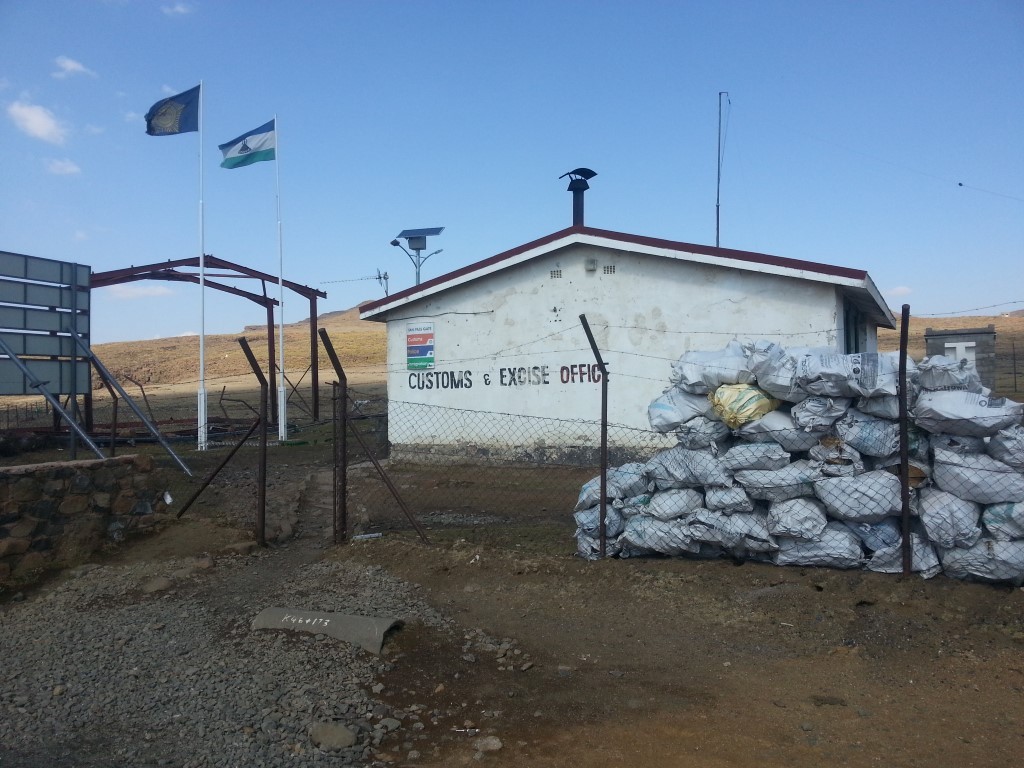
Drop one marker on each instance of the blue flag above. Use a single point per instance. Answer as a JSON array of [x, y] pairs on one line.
[[177, 114]]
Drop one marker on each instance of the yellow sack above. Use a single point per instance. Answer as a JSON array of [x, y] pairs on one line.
[[737, 404]]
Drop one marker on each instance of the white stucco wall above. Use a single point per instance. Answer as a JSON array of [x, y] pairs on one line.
[[512, 343]]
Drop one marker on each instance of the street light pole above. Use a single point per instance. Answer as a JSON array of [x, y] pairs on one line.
[[417, 241], [417, 260]]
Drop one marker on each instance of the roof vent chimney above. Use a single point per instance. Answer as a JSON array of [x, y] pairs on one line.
[[578, 185]]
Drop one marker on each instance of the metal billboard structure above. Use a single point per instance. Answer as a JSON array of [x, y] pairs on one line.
[[43, 304]]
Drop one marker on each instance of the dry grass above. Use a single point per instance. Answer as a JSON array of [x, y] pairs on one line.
[[360, 346]]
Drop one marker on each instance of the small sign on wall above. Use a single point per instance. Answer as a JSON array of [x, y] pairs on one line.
[[419, 346]]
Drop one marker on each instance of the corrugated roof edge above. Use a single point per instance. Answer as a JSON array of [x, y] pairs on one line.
[[706, 250]]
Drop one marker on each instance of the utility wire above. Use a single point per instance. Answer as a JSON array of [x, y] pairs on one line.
[[976, 309]]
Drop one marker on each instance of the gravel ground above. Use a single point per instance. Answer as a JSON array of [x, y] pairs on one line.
[[155, 664]]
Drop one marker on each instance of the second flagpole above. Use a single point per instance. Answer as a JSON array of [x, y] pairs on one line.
[[201, 395], [282, 395]]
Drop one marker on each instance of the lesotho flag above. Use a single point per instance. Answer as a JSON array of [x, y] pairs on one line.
[[252, 147]]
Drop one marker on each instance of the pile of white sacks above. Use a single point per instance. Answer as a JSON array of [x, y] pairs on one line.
[[792, 456]]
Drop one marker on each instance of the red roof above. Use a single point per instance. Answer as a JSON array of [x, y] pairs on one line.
[[749, 257]]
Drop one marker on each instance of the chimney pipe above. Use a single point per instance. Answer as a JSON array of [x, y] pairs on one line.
[[578, 185]]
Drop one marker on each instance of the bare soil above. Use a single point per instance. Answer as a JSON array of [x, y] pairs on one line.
[[654, 662], [660, 662]]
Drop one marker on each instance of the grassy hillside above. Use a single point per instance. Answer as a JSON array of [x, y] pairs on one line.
[[360, 346], [1009, 341]]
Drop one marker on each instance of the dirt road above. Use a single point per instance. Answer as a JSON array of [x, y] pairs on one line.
[[677, 663], [658, 662]]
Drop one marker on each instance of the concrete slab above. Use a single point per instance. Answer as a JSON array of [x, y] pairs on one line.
[[365, 631]]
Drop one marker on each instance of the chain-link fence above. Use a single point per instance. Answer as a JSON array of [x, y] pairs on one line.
[[760, 450], [754, 452], [502, 468]]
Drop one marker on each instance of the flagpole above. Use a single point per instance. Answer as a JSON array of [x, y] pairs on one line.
[[201, 395], [282, 397]]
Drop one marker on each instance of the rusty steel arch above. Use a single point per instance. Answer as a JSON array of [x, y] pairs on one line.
[[175, 271]]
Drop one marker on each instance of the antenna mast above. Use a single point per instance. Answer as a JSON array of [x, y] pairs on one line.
[[718, 187]]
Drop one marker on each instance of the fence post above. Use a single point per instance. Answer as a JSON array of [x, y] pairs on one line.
[[1013, 347], [329, 348], [901, 388], [604, 433], [261, 470], [340, 423]]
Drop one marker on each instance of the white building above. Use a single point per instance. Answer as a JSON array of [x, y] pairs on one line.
[[494, 354]]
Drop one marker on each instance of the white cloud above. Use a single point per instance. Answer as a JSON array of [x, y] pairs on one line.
[[178, 9], [37, 122], [131, 117], [67, 66], [80, 235], [900, 290], [130, 291], [62, 167], [94, 130]]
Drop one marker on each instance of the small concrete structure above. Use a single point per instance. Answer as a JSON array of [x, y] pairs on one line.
[[976, 345], [365, 631], [494, 353]]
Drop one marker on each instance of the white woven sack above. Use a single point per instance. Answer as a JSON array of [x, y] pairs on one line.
[[1007, 446], [703, 372], [622, 483], [977, 477], [836, 459], [1004, 522], [728, 500], [646, 536], [589, 547], [949, 521], [923, 558], [680, 467], [819, 412], [866, 374], [739, 533], [965, 413], [674, 503], [775, 371], [884, 534], [989, 560], [940, 372], [868, 434], [793, 480], [588, 522], [835, 547], [802, 518], [866, 498], [768, 455], [675, 407], [703, 432], [779, 427]]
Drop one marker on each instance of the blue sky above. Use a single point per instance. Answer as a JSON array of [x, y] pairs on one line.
[[886, 136]]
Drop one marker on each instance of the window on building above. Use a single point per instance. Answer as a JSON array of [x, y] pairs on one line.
[[855, 330]]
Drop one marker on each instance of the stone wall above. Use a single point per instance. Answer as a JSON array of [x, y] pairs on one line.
[[59, 513]]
